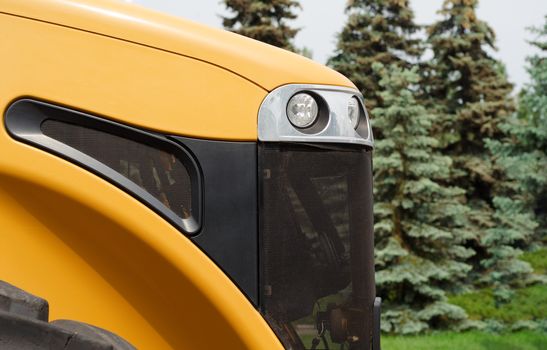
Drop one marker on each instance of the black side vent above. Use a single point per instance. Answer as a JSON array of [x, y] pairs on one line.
[[154, 169]]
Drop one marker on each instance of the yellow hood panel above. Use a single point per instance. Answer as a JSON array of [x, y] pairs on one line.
[[265, 65]]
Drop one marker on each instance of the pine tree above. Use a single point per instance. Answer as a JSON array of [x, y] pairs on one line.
[[263, 20], [467, 83], [419, 255], [532, 134], [523, 154], [472, 96], [376, 31]]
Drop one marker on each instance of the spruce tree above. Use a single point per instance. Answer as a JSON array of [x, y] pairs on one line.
[[531, 135], [472, 96], [263, 20], [466, 83], [419, 221], [523, 154], [376, 31]]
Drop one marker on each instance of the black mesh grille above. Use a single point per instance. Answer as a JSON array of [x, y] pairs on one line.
[[317, 244], [158, 172]]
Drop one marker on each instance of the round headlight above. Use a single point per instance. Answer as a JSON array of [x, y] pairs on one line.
[[302, 110], [354, 111]]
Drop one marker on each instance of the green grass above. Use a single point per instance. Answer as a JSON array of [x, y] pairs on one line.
[[528, 303], [469, 341], [524, 340], [537, 259]]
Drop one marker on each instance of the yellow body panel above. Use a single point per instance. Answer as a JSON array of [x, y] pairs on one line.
[[263, 64], [127, 82], [94, 252], [100, 256]]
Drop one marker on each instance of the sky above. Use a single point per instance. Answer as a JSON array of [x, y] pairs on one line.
[[321, 20]]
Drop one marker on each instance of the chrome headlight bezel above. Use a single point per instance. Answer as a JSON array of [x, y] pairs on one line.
[[333, 123]]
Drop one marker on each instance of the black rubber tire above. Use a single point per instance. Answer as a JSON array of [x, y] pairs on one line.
[[92, 332], [24, 326], [19, 302]]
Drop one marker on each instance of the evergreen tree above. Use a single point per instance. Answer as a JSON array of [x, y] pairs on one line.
[[472, 96], [418, 227], [523, 154], [376, 31], [532, 135], [263, 20]]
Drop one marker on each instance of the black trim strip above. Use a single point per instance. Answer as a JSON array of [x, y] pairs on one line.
[[23, 120], [229, 233]]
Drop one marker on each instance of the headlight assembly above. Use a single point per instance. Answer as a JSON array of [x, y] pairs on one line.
[[302, 110], [354, 111]]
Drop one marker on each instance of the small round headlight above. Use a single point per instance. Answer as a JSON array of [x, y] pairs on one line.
[[302, 110], [354, 111]]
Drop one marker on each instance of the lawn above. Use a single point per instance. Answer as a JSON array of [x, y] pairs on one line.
[[469, 341], [524, 340], [538, 260], [528, 303]]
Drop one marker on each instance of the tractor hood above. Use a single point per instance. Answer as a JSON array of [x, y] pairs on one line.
[[262, 64]]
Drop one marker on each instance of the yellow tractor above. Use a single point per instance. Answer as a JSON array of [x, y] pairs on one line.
[[165, 185]]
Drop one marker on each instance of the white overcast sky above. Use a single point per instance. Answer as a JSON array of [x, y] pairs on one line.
[[320, 20]]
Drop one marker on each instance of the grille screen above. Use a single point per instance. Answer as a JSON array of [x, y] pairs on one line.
[[316, 231], [158, 172]]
